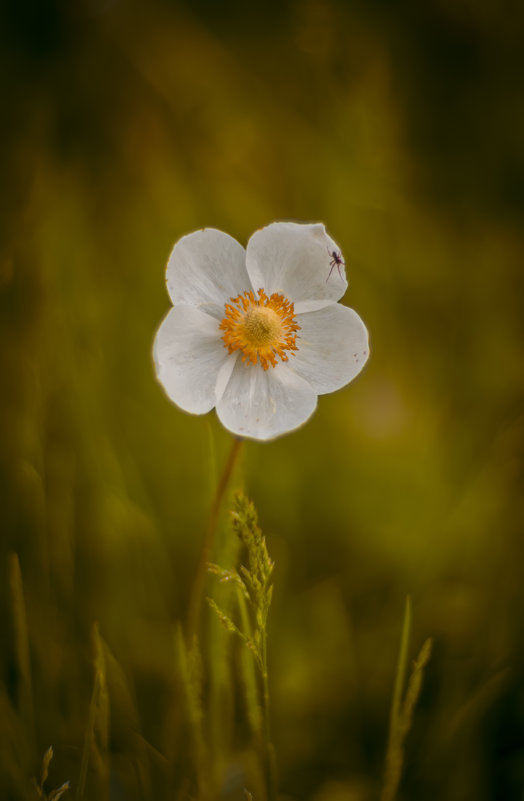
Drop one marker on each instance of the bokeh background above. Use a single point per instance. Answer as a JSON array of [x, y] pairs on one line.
[[399, 125]]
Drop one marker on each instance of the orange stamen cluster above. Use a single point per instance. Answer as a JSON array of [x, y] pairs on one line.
[[262, 328]]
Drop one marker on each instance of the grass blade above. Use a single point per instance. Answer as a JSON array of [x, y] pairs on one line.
[[402, 706], [97, 728], [21, 644]]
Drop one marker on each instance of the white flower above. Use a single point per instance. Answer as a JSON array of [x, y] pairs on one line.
[[258, 333]]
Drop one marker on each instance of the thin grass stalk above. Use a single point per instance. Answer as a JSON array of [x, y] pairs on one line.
[[393, 755], [97, 726], [197, 594], [250, 675], [22, 652], [400, 678], [252, 582], [187, 657], [402, 707], [271, 767]]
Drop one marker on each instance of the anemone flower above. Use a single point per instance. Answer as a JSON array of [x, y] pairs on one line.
[[258, 332]]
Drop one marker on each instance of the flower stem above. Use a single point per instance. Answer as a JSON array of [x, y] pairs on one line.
[[195, 602]]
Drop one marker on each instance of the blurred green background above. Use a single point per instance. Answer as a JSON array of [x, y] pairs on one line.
[[401, 127]]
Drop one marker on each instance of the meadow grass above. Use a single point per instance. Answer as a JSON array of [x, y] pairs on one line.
[[127, 126], [402, 706], [252, 583]]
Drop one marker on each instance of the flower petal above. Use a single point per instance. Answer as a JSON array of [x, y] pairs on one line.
[[189, 354], [332, 347], [297, 260], [205, 269], [263, 404]]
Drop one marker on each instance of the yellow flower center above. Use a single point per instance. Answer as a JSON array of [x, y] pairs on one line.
[[262, 329]]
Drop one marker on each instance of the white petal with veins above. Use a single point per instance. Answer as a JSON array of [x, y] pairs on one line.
[[332, 347], [263, 404], [189, 354], [205, 270], [295, 260]]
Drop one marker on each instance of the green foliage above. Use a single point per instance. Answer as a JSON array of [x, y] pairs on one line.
[[402, 706], [95, 751], [252, 581], [52, 795], [21, 647], [128, 125], [253, 588], [190, 670]]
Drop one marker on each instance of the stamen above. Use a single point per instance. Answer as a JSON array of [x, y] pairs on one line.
[[263, 329]]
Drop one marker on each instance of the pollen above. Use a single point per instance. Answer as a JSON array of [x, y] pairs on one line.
[[264, 329]]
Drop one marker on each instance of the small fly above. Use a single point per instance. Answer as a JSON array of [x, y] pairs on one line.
[[336, 261]]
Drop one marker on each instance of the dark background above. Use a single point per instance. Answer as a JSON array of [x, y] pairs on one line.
[[398, 125]]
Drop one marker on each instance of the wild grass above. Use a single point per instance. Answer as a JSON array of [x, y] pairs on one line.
[[95, 750], [52, 795], [403, 706], [252, 584], [128, 125], [24, 698]]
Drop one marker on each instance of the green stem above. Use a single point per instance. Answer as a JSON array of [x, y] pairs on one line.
[[396, 734], [270, 750], [195, 603]]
